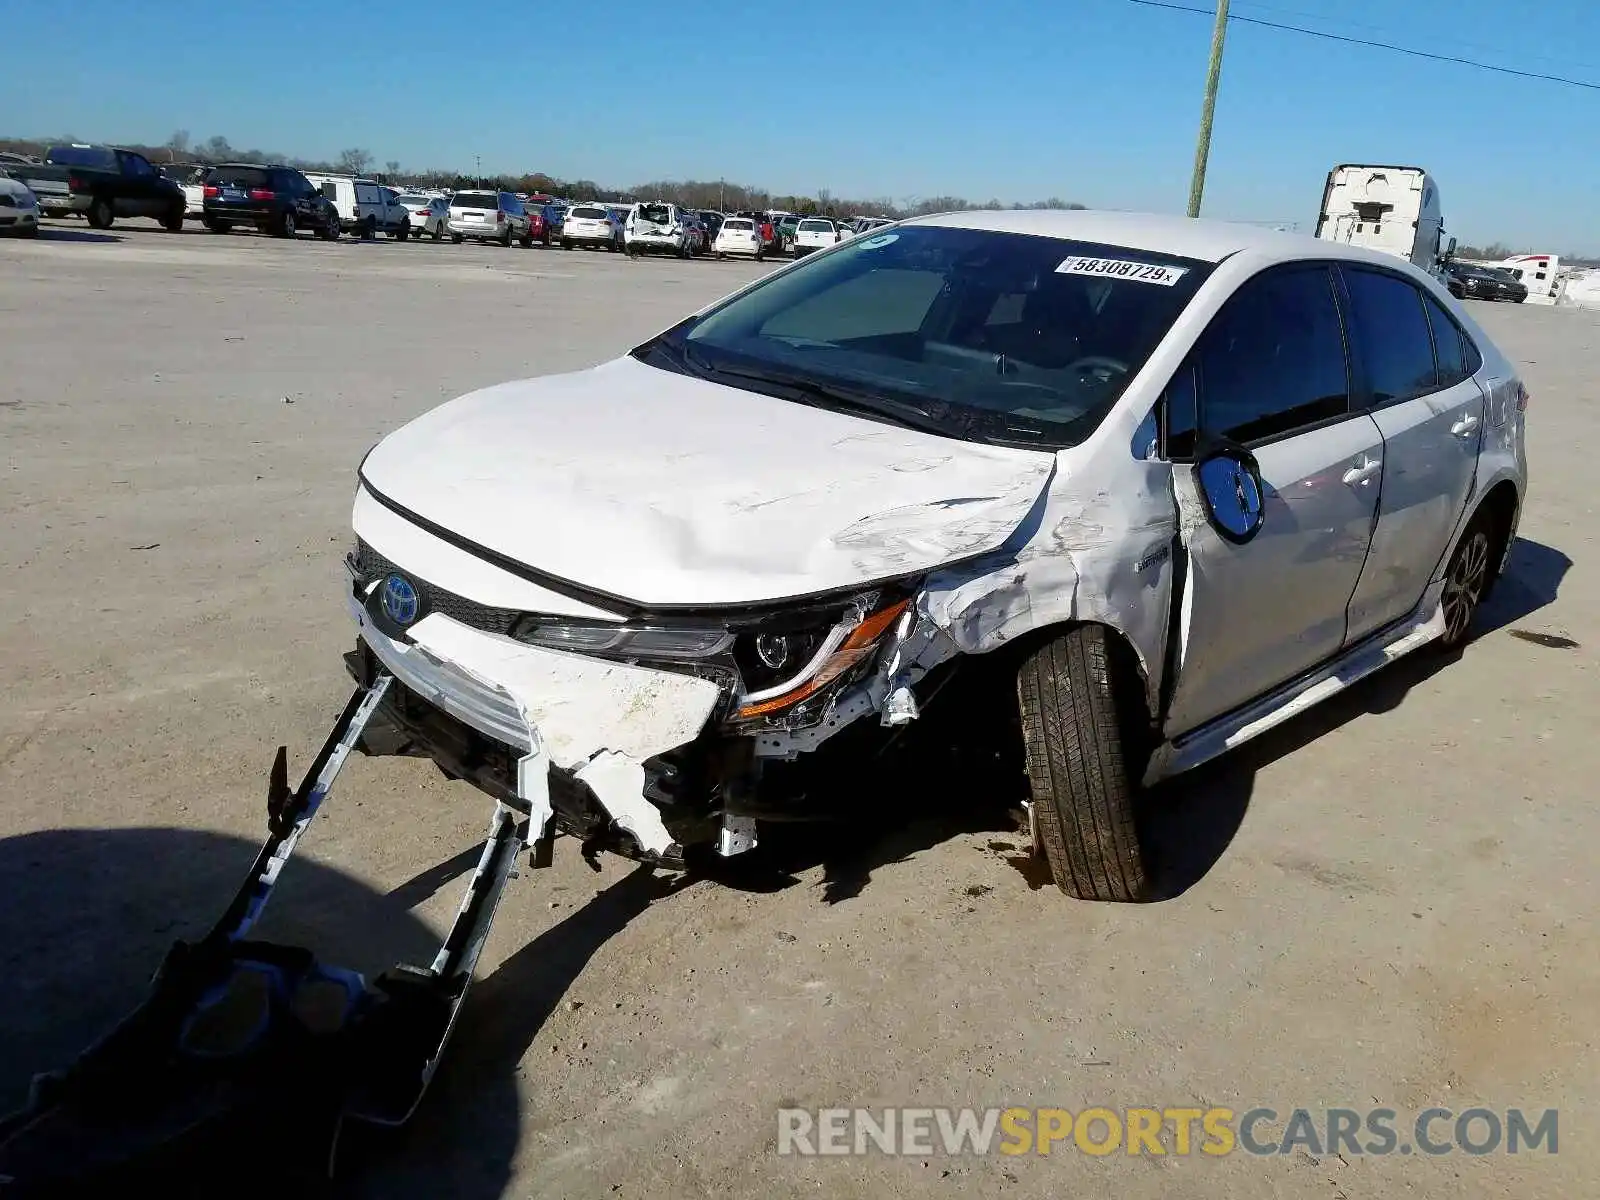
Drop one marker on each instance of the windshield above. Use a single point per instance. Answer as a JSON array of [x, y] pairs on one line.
[[585, 212], [82, 156], [993, 336], [656, 214], [475, 200]]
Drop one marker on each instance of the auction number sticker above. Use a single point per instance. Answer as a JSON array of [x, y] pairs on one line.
[[1121, 268], [879, 240]]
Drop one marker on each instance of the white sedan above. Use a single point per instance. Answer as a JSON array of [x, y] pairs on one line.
[[428, 215], [19, 208], [1141, 486]]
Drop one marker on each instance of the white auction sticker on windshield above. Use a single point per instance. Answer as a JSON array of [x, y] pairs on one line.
[[882, 239], [1121, 268]]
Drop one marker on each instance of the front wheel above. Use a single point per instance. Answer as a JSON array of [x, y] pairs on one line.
[[1075, 702]]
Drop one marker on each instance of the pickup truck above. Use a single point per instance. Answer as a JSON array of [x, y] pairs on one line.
[[101, 184]]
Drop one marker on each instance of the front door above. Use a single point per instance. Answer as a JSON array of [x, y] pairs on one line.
[[1431, 411], [1270, 372]]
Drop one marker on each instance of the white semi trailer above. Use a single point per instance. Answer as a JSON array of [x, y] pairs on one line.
[[1392, 209]]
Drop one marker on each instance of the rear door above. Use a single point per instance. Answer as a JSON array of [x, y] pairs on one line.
[[1271, 372], [139, 193], [1413, 361]]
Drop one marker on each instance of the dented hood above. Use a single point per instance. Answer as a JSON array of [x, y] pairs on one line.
[[667, 490]]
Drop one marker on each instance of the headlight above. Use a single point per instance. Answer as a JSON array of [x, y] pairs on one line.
[[783, 664], [768, 665], [626, 641]]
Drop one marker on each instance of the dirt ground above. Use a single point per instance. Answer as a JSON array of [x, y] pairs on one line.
[[1390, 902]]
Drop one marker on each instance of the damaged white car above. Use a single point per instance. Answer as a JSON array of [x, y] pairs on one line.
[[1186, 478]]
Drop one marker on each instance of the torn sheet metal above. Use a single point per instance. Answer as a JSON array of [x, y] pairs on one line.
[[600, 720], [1101, 551], [785, 500]]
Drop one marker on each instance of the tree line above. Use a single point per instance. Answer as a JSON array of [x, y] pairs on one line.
[[721, 195]]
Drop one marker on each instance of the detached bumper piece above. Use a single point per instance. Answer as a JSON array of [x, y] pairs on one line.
[[237, 1032]]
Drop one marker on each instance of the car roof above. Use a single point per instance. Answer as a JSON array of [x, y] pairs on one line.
[[1186, 237]]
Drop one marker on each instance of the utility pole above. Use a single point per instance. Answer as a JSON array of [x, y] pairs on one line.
[[1202, 150], [478, 159]]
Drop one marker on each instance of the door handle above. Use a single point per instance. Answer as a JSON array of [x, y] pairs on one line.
[[1465, 427], [1363, 471]]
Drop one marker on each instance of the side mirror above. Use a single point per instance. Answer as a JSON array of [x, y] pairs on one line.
[[1230, 489]]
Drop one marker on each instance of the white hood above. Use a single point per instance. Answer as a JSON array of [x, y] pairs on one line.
[[667, 490]]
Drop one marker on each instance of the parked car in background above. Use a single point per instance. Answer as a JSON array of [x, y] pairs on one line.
[[19, 209], [430, 215], [699, 239], [555, 218], [101, 183], [191, 178], [366, 207], [786, 224], [590, 225], [813, 234], [274, 199], [1483, 283], [739, 236], [863, 224], [713, 223], [489, 217], [619, 214], [657, 227]]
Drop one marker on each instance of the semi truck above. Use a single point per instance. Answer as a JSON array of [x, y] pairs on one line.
[[1391, 209]]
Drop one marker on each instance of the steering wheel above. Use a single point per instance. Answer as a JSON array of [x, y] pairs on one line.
[[1093, 362]]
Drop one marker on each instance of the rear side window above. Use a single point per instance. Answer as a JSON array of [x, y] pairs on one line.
[[1391, 332], [1273, 360], [1449, 345]]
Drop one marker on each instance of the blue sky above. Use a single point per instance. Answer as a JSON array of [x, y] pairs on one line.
[[1090, 100]]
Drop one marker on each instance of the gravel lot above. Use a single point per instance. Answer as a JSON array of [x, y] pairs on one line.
[[1388, 898]]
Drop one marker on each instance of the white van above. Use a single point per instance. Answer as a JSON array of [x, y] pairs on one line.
[[658, 226], [364, 209]]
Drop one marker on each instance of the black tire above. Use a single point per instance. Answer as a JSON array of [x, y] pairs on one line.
[[28, 231], [1071, 696], [566, 244], [100, 214], [438, 231], [369, 228], [216, 226], [458, 238], [544, 239], [526, 240], [403, 231], [173, 222], [760, 254], [285, 226], [1467, 578], [505, 238]]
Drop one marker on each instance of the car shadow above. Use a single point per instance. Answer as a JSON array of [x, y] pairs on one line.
[[1187, 823], [89, 914], [56, 233]]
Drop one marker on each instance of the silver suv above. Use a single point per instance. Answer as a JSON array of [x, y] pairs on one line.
[[489, 217]]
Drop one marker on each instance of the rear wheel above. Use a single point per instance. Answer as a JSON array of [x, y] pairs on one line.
[[457, 238], [505, 238], [526, 239], [216, 226], [403, 231], [1075, 702], [369, 228], [286, 226], [100, 214], [438, 231], [1466, 579], [566, 243], [173, 221]]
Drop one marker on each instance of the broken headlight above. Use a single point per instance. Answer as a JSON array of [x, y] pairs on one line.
[[786, 660], [766, 664]]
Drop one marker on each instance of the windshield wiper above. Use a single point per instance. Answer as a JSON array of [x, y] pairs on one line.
[[836, 398]]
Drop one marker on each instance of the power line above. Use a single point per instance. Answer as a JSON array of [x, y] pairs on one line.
[[1355, 41]]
